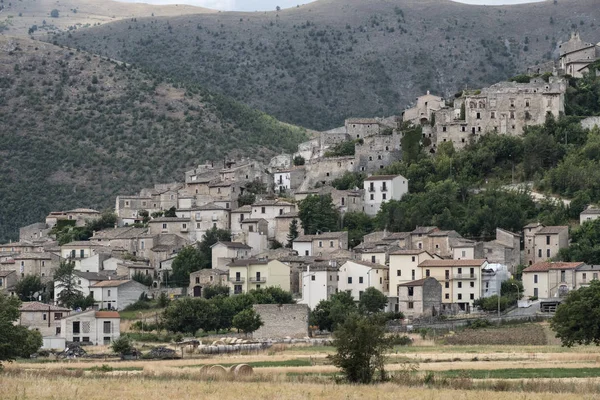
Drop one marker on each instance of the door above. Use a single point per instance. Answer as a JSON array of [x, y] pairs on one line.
[[197, 291]]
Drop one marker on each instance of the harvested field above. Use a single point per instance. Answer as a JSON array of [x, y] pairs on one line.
[[522, 335]]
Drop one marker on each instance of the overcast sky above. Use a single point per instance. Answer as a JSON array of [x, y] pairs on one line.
[[262, 5]]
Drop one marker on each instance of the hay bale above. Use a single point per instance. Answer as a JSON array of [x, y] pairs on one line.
[[232, 369], [203, 370], [217, 370], [243, 370]]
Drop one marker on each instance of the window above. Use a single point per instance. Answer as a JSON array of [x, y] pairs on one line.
[[320, 243], [81, 253], [411, 305], [535, 279], [493, 115], [75, 339], [108, 293], [447, 285], [313, 278], [384, 196], [547, 239], [330, 278], [360, 294], [447, 296], [57, 316], [349, 280], [360, 279], [306, 252], [459, 296], [460, 285], [472, 284], [472, 296], [58, 330], [460, 270], [595, 275], [464, 253], [331, 243], [478, 115], [184, 226], [44, 316], [427, 272], [237, 289], [164, 226], [398, 273], [540, 253], [372, 197], [197, 279], [263, 210], [547, 252], [76, 328], [512, 115], [85, 339], [413, 258], [413, 274], [562, 276], [411, 291], [535, 292], [373, 259]]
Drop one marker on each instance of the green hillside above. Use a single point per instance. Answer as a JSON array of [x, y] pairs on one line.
[[319, 63], [77, 129]]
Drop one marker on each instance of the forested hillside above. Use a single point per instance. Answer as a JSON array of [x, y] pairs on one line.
[[77, 129], [320, 63]]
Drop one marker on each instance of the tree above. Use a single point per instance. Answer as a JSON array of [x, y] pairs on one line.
[[170, 213], [28, 286], [278, 8], [361, 344], [372, 301], [318, 214], [188, 315], [271, 295], [15, 340], [208, 240], [189, 259], [144, 279], [83, 302], [299, 160], [247, 321], [328, 314], [577, 318], [122, 346], [411, 143], [54, 13], [246, 199], [163, 300], [211, 291], [358, 224], [293, 233], [349, 180], [65, 280]]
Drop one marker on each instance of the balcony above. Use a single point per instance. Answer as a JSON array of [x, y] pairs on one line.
[[465, 276], [371, 189], [258, 279], [234, 279], [384, 188]]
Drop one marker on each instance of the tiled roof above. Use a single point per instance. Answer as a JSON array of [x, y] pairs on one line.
[[169, 219], [247, 262], [452, 263], [233, 245], [82, 243], [408, 252], [208, 207], [243, 209], [293, 214], [453, 234], [119, 233], [111, 283], [84, 211], [4, 274], [107, 314], [591, 211], [369, 264], [381, 177], [547, 266], [272, 203], [35, 256], [424, 230], [418, 282], [533, 225], [552, 230], [91, 276], [37, 306]]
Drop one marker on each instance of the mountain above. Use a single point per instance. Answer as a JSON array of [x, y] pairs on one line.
[[319, 63], [77, 129], [19, 16]]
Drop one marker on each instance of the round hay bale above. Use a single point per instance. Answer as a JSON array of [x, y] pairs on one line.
[[243, 370], [218, 343], [217, 370], [232, 369]]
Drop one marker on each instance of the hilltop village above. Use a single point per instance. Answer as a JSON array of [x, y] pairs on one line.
[[424, 272]]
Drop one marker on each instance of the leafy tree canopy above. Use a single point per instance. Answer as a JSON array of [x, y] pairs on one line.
[[318, 214], [577, 318]]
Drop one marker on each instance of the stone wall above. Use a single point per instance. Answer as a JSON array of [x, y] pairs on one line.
[[590, 122], [281, 321]]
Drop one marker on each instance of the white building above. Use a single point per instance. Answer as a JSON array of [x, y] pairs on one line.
[[319, 282], [492, 276], [225, 252], [117, 294], [95, 327], [269, 210], [382, 188], [356, 276]]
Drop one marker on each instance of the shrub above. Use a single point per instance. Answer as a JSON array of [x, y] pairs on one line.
[[480, 323]]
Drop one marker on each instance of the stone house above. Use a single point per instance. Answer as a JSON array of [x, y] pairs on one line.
[[237, 217], [204, 218], [8, 280], [586, 273], [465, 249], [171, 225], [549, 240], [19, 247], [78, 250], [35, 232], [376, 152], [282, 226], [224, 252], [357, 276], [576, 55], [529, 232], [419, 238], [255, 234], [93, 327], [41, 264], [282, 321], [404, 268], [505, 249], [381, 188], [248, 274], [82, 215], [206, 277], [269, 210], [545, 279], [135, 241], [128, 207], [462, 281], [324, 171], [319, 281], [288, 179], [165, 247], [322, 244], [422, 112], [117, 294], [44, 318], [440, 242], [589, 214], [360, 128], [376, 255], [420, 298]]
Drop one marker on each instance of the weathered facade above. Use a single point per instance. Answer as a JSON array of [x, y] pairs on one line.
[[282, 321]]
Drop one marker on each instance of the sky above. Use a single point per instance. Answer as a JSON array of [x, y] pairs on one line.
[[268, 5]]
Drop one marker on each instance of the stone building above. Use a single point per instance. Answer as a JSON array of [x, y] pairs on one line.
[[377, 152], [35, 232], [548, 241], [282, 321], [382, 188], [44, 318], [199, 280], [589, 214], [576, 55], [422, 112], [420, 298], [8, 280]]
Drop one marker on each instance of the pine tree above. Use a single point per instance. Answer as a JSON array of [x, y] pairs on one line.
[[293, 234]]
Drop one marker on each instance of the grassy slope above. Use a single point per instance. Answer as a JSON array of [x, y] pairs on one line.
[[322, 62], [76, 129], [75, 14]]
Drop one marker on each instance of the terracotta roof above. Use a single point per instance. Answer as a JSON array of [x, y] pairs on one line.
[[547, 266], [169, 219], [233, 245], [408, 252], [369, 264], [37, 306], [552, 230], [381, 177], [445, 233], [82, 243], [107, 314], [452, 263], [111, 283], [247, 262]]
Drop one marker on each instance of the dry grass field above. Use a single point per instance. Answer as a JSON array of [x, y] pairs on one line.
[[426, 370]]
